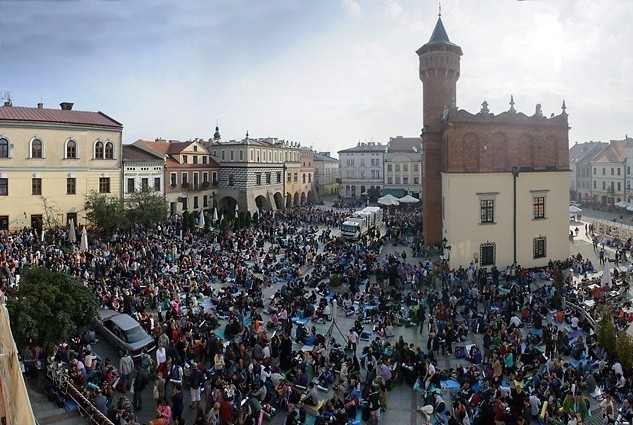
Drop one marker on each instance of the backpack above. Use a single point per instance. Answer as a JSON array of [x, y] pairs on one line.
[[175, 374]]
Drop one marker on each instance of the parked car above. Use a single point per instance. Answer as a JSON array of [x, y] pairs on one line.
[[124, 332]]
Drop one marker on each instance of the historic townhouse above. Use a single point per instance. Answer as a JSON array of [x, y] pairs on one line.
[[251, 172], [361, 168], [190, 176], [608, 177], [403, 167], [326, 174], [581, 156], [306, 156], [142, 170], [50, 159]]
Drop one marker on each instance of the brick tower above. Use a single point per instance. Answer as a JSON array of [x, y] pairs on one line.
[[439, 71]]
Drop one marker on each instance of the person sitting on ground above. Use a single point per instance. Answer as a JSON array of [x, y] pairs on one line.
[[312, 397]]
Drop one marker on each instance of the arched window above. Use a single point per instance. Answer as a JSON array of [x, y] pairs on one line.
[[109, 150], [36, 148], [99, 150], [4, 148], [71, 149]]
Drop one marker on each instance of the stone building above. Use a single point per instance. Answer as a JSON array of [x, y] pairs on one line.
[[326, 174], [496, 187], [361, 168], [403, 167], [51, 159], [142, 170]]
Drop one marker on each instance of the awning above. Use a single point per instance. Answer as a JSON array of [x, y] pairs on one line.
[[398, 193]]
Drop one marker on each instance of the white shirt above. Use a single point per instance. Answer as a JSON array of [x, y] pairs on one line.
[[161, 355], [617, 368]]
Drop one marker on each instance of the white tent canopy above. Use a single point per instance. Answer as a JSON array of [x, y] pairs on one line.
[[408, 199], [388, 200], [574, 209], [622, 204]]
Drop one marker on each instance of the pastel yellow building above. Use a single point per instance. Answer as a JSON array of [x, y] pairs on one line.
[[50, 159], [479, 218]]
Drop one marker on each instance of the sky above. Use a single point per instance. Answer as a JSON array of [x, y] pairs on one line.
[[324, 73]]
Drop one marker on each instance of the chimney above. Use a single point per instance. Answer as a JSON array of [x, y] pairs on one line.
[[8, 103], [66, 106], [40, 105]]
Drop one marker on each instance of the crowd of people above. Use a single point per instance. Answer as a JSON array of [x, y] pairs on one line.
[[248, 356]]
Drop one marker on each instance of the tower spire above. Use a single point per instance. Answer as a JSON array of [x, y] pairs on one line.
[[439, 15]]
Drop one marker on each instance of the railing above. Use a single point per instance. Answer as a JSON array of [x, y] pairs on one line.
[[580, 310], [86, 408]]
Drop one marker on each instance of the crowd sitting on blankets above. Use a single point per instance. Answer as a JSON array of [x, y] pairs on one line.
[[200, 296]]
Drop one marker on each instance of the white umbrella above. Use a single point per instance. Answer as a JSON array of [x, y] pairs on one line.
[[629, 208], [201, 222], [215, 214], [606, 274], [72, 234], [84, 240], [622, 204], [408, 199], [387, 201], [574, 209]]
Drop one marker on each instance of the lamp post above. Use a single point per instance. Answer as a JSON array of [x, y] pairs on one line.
[[515, 174]]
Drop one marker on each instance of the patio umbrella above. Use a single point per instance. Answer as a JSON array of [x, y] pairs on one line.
[[574, 209], [215, 214], [84, 240], [387, 201], [621, 204], [72, 234], [201, 222], [408, 199], [606, 274], [629, 208], [237, 207]]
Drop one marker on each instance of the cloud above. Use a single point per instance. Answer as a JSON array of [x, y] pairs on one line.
[[352, 8]]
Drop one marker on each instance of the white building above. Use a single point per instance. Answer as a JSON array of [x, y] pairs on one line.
[[361, 168], [142, 170]]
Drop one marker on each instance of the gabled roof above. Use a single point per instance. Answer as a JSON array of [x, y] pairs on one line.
[[404, 144], [57, 116], [134, 153], [164, 148], [325, 158], [585, 152], [615, 152], [366, 147]]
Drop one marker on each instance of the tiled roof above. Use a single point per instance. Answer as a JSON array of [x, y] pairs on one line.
[[134, 153], [57, 116], [320, 157], [405, 144], [165, 148], [615, 152], [366, 147]]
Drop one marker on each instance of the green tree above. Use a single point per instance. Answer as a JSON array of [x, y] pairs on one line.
[[606, 332], [104, 211], [146, 207], [224, 226], [624, 349], [373, 194], [49, 307]]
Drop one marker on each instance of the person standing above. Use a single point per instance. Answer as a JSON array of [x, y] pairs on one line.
[[140, 383], [352, 340], [177, 403], [126, 366], [195, 381]]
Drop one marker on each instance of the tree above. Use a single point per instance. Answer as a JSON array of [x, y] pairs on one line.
[[247, 219], [606, 332], [51, 214], [146, 207], [373, 194], [105, 211], [49, 307], [624, 348]]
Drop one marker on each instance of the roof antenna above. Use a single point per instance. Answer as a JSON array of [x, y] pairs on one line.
[[439, 15]]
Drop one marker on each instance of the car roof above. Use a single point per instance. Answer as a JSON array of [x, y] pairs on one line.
[[123, 321]]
